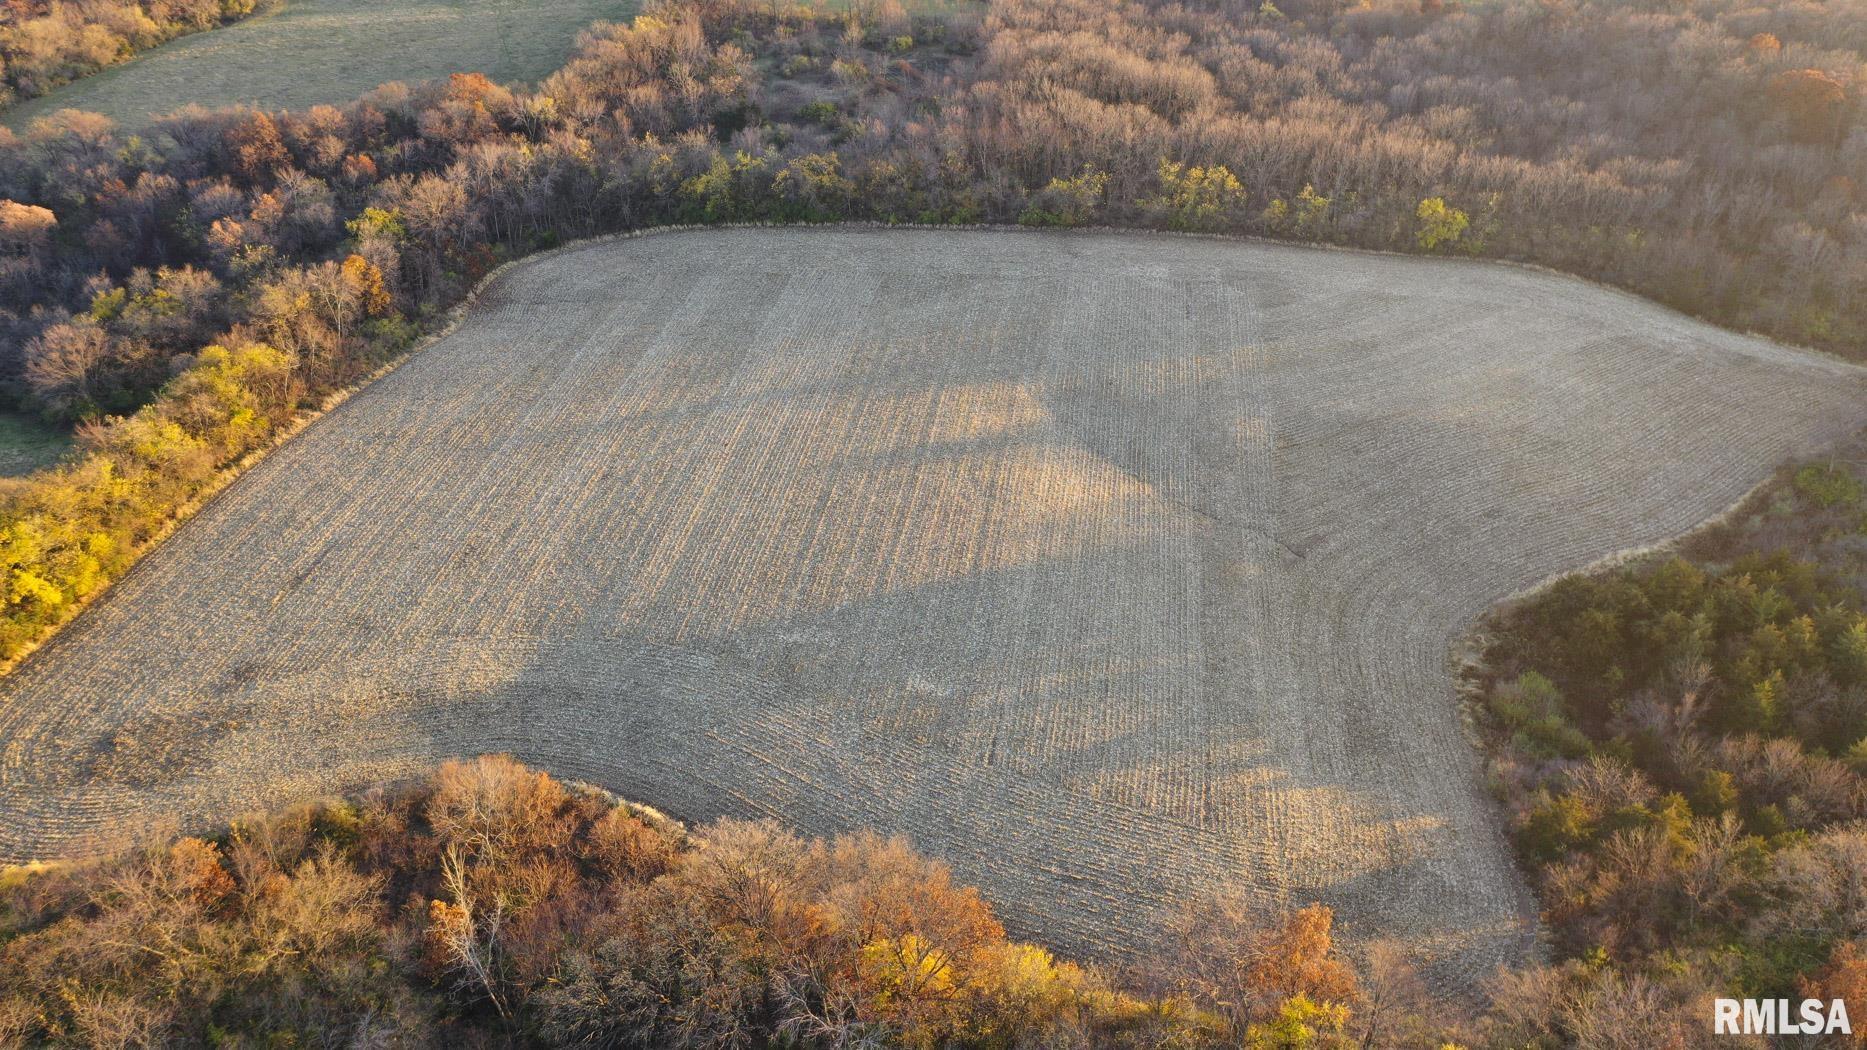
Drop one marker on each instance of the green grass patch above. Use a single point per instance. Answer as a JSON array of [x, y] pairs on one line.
[[330, 51], [27, 444]]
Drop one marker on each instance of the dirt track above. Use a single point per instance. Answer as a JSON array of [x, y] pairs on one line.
[[1106, 567]]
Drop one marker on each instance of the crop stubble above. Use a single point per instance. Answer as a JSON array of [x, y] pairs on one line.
[[1109, 568]]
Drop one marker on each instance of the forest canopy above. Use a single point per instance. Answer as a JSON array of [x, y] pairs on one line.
[[491, 905]]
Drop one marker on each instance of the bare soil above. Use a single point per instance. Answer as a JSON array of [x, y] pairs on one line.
[[1113, 569]]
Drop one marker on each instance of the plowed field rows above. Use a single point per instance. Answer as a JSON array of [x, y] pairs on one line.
[[1108, 568]]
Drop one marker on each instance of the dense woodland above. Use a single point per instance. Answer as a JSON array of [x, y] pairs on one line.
[[1682, 748], [490, 905], [45, 43]]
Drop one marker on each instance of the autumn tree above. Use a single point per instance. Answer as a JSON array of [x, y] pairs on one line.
[[1248, 965], [255, 148], [1196, 197], [1843, 977], [25, 228], [1073, 201], [1440, 224], [1812, 103]]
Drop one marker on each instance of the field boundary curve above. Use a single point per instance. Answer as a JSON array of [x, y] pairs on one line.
[[455, 315], [1059, 556]]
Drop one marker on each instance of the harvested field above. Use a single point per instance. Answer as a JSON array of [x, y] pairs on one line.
[[330, 51], [1109, 568]]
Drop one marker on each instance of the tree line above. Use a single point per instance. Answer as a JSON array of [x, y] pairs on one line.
[[1681, 748], [490, 905]]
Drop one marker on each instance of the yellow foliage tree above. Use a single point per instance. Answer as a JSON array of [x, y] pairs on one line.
[[812, 188], [1197, 198], [366, 280], [1067, 202], [1440, 223], [1301, 1024], [912, 985]]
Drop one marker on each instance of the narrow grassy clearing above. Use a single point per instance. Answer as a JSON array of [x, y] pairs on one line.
[[330, 51]]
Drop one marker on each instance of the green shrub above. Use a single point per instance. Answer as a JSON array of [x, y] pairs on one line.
[[1539, 694], [821, 112], [1074, 201], [1714, 793], [1828, 485], [1554, 827], [1551, 737]]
